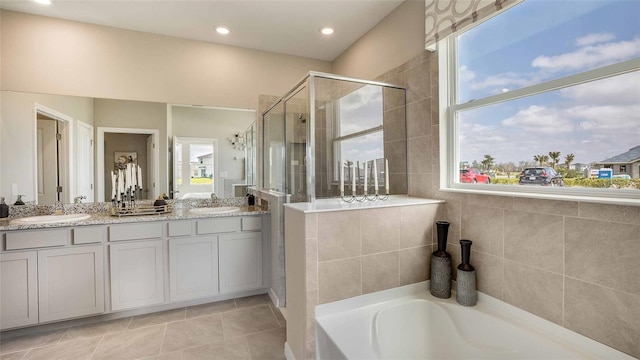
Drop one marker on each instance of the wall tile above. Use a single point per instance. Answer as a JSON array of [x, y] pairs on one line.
[[419, 158], [484, 226], [311, 225], [452, 214], [312, 302], [614, 213], [398, 183], [534, 239], [397, 70], [414, 264], [604, 253], [396, 152], [380, 230], [380, 272], [419, 118], [339, 279], [392, 98], [503, 202], [421, 58], [554, 207], [395, 124], [419, 83], [401, 78], [489, 273], [536, 291], [416, 223], [340, 236], [311, 265], [603, 314], [420, 185]]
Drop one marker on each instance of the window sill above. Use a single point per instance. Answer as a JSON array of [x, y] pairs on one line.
[[631, 199]]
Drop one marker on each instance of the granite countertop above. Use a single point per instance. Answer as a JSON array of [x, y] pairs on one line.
[[102, 218]]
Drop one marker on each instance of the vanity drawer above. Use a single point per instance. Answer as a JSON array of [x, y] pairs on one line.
[[180, 228], [217, 226], [36, 239], [135, 231], [251, 223], [88, 235]]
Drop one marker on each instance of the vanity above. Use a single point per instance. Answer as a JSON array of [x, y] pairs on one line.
[[109, 265]]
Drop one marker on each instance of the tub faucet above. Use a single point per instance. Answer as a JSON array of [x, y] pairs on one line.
[[214, 200]]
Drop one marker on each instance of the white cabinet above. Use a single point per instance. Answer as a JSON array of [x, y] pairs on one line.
[[18, 289], [240, 262], [70, 282], [136, 274], [193, 267]]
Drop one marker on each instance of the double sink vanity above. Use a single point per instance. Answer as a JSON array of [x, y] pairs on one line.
[[60, 267]]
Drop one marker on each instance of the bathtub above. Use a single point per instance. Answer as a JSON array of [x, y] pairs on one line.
[[409, 323]]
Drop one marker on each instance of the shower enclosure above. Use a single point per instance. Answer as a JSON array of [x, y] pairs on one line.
[[326, 122]]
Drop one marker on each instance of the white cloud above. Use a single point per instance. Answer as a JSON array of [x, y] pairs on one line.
[[595, 38], [590, 56], [622, 89], [540, 119]]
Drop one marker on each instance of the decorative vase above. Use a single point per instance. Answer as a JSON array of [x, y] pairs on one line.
[[466, 293], [440, 284]]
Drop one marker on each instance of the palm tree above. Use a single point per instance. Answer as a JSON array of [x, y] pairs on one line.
[[541, 159], [487, 162], [568, 159], [555, 158]]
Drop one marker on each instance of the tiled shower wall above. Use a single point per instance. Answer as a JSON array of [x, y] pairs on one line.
[[574, 263]]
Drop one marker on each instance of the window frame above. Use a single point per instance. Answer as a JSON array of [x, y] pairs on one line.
[[449, 135]]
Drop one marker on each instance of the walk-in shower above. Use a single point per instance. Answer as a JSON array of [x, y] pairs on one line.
[[327, 121]]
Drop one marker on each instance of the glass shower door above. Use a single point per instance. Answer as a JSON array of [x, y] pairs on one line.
[[296, 124]]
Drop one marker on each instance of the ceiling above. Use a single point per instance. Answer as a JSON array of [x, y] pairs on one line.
[[289, 27]]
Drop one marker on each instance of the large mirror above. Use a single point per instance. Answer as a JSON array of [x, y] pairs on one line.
[[63, 148]]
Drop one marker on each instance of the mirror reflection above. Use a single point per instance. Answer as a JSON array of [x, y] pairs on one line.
[[63, 148]]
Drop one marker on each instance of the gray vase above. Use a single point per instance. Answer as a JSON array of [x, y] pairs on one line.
[[466, 293], [440, 284]]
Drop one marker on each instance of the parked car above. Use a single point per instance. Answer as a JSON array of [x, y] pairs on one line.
[[622, 176], [473, 175], [544, 176]]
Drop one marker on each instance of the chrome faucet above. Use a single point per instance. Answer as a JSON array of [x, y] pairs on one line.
[[214, 200], [78, 199]]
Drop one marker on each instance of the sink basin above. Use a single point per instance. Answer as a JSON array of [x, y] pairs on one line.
[[215, 210], [49, 219]]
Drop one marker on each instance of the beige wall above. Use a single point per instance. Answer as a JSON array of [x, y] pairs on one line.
[[114, 142], [396, 38], [17, 141], [47, 55], [218, 124], [137, 115]]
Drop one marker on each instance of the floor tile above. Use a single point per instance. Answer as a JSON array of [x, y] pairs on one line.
[[254, 300], [210, 308], [192, 333], [13, 356], [96, 329], [247, 321], [235, 349], [76, 350], [28, 341], [131, 344], [157, 318], [174, 355], [267, 345]]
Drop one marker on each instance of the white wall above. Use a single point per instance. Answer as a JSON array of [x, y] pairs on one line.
[[17, 136], [47, 55], [394, 40]]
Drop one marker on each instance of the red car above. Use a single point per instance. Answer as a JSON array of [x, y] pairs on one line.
[[473, 175]]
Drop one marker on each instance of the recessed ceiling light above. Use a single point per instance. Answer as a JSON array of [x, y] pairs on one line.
[[43, 2], [326, 30], [222, 30]]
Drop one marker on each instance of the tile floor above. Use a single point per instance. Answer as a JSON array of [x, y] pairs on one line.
[[246, 328]]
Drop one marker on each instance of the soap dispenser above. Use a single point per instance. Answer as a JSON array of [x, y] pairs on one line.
[[4, 209]]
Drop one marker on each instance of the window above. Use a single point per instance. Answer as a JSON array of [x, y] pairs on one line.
[[543, 84]]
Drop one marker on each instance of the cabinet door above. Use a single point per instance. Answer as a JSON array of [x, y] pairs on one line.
[[136, 274], [70, 282], [193, 267], [240, 262], [18, 289]]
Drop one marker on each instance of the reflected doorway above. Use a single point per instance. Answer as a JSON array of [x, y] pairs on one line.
[[53, 167], [195, 164]]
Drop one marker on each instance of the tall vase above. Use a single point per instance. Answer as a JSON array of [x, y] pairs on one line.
[[466, 293], [440, 284]]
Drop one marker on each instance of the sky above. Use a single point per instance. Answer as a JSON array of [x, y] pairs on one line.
[[556, 38]]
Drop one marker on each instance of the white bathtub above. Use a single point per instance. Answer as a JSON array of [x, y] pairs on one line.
[[409, 323]]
